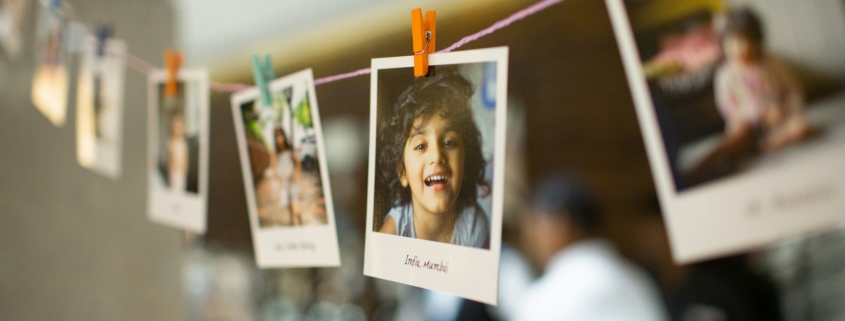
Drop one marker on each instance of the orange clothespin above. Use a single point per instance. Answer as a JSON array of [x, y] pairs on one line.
[[424, 34], [172, 62]]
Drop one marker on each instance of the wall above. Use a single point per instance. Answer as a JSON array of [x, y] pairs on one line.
[[73, 244]]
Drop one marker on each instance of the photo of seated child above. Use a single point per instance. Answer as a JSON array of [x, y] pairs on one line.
[[732, 95], [757, 95], [755, 89], [281, 142], [431, 171], [178, 161]]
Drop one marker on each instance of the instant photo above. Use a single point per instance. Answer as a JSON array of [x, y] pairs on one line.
[[99, 106], [742, 109], [12, 19], [436, 172], [50, 80], [178, 150], [285, 175]]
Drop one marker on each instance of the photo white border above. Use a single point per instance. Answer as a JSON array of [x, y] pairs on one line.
[[186, 211], [281, 246], [715, 218], [110, 166], [473, 273]]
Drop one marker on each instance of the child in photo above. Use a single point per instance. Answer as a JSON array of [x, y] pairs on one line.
[[287, 168], [756, 93], [177, 155], [432, 164]]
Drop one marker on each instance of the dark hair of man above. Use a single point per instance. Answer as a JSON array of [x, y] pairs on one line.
[[563, 196]]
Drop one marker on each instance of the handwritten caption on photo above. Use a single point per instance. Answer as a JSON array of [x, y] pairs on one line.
[[429, 264], [296, 246]]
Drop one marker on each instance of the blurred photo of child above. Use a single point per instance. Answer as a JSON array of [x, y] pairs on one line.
[[432, 163], [756, 93], [177, 152], [287, 168]]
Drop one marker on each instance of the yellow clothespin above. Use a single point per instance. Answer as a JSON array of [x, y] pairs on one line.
[[424, 33]]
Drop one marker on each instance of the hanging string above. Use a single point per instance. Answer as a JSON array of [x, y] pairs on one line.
[[325, 80], [519, 15], [138, 64], [144, 67]]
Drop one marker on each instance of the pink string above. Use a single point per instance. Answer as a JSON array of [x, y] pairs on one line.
[[359, 72], [144, 67], [138, 64], [227, 88], [519, 15]]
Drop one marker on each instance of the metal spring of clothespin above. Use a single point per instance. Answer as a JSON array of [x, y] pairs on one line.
[[427, 41], [424, 33], [172, 63], [263, 74]]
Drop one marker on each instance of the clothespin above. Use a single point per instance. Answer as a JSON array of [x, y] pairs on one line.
[[263, 74], [103, 33], [172, 62], [424, 33]]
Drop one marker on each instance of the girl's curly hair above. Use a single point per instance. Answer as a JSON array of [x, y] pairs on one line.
[[446, 94]]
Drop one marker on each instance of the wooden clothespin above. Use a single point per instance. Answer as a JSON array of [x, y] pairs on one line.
[[103, 33], [424, 34], [263, 74], [172, 62]]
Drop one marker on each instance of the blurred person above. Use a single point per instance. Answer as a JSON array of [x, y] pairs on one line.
[[725, 289], [584, 277], [177, 155], [756, 93]]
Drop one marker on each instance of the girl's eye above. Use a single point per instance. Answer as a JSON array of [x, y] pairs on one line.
[[419, 147], [450, 143]]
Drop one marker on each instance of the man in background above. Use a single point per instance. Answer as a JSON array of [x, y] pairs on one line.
[[584, 278]]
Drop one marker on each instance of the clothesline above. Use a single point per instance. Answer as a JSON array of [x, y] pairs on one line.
[[144, 67]]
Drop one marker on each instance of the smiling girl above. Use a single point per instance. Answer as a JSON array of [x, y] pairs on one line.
[[432, 164]]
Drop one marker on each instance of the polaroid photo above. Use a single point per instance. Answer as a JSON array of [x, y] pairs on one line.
[[436, 172], [50, 81], [744, 147], [177, 155], [99, 106], [12, 19], [285, 175]]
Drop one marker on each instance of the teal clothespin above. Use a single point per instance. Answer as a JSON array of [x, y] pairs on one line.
[[263, 74]]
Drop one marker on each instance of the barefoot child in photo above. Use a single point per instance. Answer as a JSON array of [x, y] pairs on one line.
[[433, 165]]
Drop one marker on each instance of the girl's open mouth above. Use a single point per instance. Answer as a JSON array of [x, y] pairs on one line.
[[437, 181]]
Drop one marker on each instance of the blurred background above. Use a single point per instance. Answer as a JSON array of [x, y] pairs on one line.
[[75, 245]]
